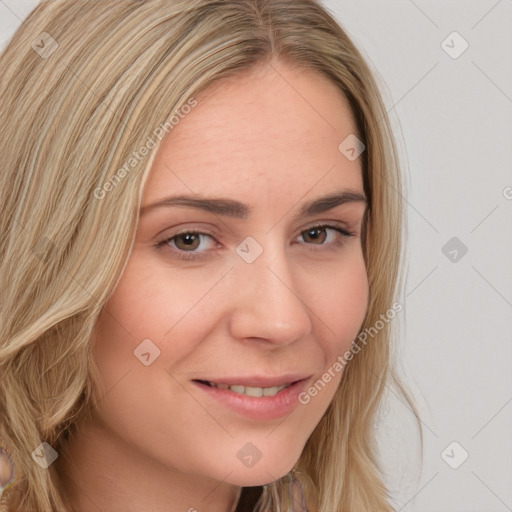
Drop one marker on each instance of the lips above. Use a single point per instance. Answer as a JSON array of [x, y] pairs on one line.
[[257, 398]]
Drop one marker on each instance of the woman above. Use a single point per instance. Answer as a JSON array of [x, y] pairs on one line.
[[201, 235]]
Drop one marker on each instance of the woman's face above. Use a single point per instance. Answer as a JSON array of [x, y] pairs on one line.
[[253, 296]]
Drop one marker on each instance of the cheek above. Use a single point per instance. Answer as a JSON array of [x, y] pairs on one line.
[[341, 304], [133, 315], [146, 304]]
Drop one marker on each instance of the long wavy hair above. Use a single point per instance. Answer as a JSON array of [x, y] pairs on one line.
[[82, 85]]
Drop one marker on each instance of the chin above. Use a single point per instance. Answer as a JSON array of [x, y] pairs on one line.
[[249, 478], [262, 473]]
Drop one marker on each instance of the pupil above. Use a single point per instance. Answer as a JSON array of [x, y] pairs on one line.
[[314, 233], [187, 240]]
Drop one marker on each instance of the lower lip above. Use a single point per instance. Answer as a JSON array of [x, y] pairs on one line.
[[258, 408]]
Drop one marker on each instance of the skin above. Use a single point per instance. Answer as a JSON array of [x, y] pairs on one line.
[[268, 139]]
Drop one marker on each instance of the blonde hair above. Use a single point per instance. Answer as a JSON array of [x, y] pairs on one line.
[[83, 85]]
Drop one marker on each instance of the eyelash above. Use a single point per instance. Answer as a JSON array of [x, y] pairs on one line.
[[185, 255]]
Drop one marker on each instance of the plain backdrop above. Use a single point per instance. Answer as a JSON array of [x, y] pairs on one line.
[[445, 71]]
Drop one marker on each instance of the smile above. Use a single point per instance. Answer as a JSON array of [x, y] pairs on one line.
[[249, 390], [258, 398]]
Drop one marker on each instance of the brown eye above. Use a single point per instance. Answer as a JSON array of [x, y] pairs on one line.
[[325, 235], [189, 244], [187, 241], [315, 234]]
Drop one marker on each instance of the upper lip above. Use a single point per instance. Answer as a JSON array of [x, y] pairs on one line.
[[257, 380]]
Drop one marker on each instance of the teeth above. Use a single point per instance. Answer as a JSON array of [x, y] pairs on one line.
[[251, 391]]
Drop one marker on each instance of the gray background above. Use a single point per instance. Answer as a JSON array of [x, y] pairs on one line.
[[452, 114]]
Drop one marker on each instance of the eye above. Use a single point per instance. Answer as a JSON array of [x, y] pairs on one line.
[[187, 243], [318, 234]]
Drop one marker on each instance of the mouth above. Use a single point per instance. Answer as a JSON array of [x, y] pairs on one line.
[[258, 398], [242, 389]]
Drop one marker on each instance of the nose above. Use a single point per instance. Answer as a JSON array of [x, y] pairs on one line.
[[267, 303]]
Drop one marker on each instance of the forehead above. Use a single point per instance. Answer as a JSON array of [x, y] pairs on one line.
[[268, 133]]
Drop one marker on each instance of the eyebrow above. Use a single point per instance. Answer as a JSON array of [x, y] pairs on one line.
[[236, 209]]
